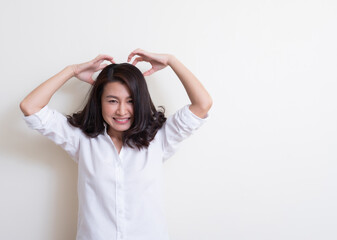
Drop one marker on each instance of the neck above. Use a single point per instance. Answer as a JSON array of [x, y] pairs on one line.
[[118, 136]]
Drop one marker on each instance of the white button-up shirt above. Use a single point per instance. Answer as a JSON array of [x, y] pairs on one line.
[[120, 195]]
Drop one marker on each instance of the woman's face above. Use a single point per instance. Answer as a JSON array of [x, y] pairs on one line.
[[117, 108]]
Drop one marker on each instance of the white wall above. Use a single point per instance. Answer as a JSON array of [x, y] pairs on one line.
[[263, 167]]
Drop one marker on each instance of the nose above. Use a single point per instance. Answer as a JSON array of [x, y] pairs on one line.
[[121, 109]]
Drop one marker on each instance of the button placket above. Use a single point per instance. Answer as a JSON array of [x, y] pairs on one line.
[[119, 199]]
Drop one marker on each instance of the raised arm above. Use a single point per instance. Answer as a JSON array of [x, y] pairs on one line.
[[41, 95], [200, 99]]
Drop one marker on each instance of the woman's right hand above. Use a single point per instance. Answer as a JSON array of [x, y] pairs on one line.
[[84, 71]]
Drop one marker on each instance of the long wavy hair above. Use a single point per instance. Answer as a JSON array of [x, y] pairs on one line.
[[147, 120]]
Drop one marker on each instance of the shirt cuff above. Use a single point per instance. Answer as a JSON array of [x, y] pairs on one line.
[[38, 119], [193, 120]]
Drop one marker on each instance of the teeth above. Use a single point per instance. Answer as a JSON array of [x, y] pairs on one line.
[[122, 120]]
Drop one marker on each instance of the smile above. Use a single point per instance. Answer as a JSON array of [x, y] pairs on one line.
[[121, 120]]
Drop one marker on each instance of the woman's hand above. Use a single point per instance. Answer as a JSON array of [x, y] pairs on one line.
[[201, 101], [84, 71], [157, 61]]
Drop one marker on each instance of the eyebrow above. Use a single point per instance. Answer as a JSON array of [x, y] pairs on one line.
[[112, 96]]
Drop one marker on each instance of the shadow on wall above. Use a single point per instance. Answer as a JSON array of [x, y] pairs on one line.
[[21, 146]]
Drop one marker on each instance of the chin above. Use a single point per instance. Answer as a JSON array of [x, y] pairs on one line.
[[120, 128]]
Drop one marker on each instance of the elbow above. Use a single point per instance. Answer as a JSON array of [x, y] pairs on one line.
[[26, 109], [210, 103], [207, 105], [201, 109]]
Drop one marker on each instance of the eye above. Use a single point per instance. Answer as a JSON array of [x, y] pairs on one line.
[[130, 101], [112, 101]]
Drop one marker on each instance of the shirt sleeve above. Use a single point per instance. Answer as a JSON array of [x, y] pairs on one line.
[[55, 126], [178, 127]]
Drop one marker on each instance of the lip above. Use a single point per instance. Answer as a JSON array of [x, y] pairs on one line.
[[122, 120]]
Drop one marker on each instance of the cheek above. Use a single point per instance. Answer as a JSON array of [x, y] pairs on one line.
[[131, 110], [106, 110]]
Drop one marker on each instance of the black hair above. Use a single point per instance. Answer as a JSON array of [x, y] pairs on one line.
[[147, 120]]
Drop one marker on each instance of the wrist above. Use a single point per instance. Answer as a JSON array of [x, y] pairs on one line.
[[171, 60], [72, 69]]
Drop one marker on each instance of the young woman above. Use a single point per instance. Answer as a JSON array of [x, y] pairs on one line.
[[119, 141]]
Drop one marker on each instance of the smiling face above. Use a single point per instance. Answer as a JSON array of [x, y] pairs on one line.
[[117, 108]]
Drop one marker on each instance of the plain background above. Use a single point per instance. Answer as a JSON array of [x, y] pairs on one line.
[[263, 166]]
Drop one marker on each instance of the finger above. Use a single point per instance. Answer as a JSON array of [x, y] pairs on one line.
[[138, 51], [102, 66], [102, 60], [149, 72], [91, 81], [138, 59], [103, 57]]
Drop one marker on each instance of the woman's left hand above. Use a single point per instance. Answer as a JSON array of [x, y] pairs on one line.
[[157, 61]]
